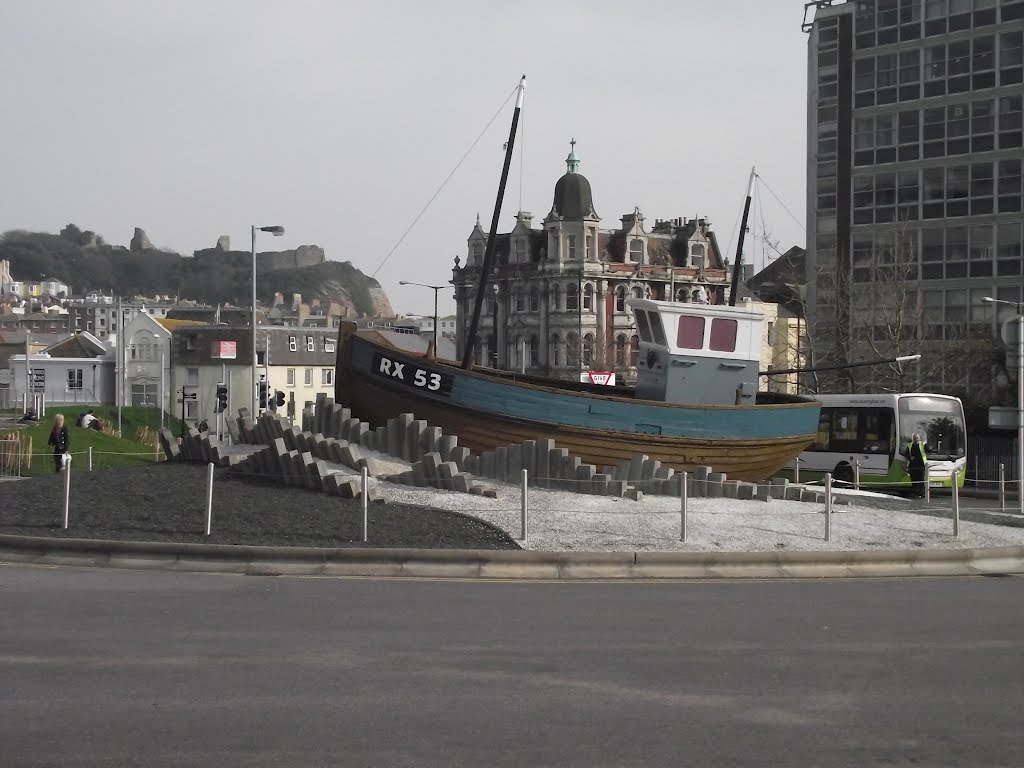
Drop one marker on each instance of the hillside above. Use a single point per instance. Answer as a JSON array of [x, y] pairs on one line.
[[86, 263]]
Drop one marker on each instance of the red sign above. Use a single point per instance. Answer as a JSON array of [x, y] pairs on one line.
[[604, 378], [223, 350]]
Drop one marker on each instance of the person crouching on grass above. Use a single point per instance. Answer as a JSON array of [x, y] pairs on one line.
[[60, 441]]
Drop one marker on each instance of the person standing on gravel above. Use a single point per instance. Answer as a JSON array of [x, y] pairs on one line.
[[60, 440], [918, 459]]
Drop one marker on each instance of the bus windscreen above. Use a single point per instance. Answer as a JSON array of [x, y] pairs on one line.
[[938, 421]]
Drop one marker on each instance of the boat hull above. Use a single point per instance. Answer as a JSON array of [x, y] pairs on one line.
[[378, 382]]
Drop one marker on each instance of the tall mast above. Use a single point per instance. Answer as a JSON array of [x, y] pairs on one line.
[[485, 268], [738, 266]]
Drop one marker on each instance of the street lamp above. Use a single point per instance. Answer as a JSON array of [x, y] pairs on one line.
[[435, 289], [276, 232], [1020, 393]]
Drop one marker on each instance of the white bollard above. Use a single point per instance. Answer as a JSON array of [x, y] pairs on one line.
[[828, 506], [90, 458], [1002, 487], [956, 507], [524, 512], [856, 475], [67, 490], [366, 484], [927, 484], [683, 503], [796, 470], [209, 497]]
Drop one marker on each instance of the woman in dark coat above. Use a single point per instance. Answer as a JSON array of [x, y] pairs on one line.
[[60, 441]]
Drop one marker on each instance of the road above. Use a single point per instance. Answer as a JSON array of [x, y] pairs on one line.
[[107, 668]]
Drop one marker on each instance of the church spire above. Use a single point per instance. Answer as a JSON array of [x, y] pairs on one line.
[[572, 163]]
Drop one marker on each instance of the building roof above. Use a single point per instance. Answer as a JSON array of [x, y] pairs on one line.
[[79, 345], [170, 323]]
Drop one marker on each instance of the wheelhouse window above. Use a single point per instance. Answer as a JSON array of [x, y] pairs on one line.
[[690, 332], [723, 335]]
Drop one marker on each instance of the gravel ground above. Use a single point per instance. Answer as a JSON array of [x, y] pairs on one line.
[[167, 502]]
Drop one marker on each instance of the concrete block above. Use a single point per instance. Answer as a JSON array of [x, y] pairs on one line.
[[730, 489], [446, 444], [169, 445], [570, 464], [431, 462], [636, 466], [617, 488], [650, 468], [793, 492], [446, 471], [501, 463], [486, 468], [307, 421], [778, 487], [555, 462], [621, 470], [380, 439], [515, 463], [460, 456], [541, 459], [490, 493], [808, 495], [430, 442], [634, 494], [413, 434], [599, 484], [528, 450], [348, 489], [394, 438], [714, 483], [745, 491], [419, 475], [305, 465], [361, 434], [373, 466], [476, 490], [318, 475]]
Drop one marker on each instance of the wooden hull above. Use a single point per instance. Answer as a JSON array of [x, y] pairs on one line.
[[482, 426]]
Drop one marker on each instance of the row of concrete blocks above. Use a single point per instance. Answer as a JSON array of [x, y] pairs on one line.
[[195, 446], [302, 470], [432, 471]]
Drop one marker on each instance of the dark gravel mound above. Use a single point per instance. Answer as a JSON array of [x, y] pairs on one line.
[[167, 502]]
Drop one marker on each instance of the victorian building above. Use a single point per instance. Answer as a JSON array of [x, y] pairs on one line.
[[555, 298]]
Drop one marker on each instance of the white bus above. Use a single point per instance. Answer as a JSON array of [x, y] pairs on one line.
[[875, 431]]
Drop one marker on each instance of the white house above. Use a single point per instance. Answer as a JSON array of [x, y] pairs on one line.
[[78, 369], [146, 362]]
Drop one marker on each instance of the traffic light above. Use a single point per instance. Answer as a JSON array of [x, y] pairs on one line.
[[263, 395], [278, 399], [222, 399]]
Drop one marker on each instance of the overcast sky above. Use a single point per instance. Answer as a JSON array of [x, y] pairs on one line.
[[339, 120]]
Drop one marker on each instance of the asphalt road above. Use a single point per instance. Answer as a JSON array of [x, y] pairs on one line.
[[128, 668]]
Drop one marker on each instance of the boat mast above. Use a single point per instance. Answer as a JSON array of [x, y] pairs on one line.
[[738, 266], [485, 268]]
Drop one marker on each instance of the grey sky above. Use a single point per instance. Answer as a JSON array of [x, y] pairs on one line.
[[339, 120]]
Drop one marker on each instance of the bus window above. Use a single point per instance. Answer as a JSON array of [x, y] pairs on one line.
[[878, 432], [823, 437]]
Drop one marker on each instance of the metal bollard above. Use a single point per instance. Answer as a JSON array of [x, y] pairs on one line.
[[927, 484], [828, 506], [67, 490], [956, 507], [366, 484], [1002, 487], [525, 506], [684, 494], [796, 470], [856, 475], [209, 497], [90, 458]]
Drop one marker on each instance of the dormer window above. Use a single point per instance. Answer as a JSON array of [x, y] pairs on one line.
[[520, 251], [636, 250]]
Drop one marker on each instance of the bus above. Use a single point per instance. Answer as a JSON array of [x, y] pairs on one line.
[[875, 431]]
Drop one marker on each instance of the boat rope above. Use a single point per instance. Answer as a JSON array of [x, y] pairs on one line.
[[444, 183], [779, 200]]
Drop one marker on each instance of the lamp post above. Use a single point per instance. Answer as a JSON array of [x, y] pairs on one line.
[[276, 232], [1018, 306], [435, 289]]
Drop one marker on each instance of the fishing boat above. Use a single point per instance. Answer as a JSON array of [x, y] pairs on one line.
[[695, 401]]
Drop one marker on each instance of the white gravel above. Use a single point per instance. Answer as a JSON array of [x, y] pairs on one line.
[[559, 520]]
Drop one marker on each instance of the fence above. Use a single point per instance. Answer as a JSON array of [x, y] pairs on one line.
[[984, 455], [15, 454]]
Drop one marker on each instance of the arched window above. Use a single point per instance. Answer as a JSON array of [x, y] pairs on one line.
[[572, 349], [556, 350], [636, 250], [556, 298], [620, 298], [534, 300], [620, 351], [634, 350], [682, 294], [638, 292], [588, 297], [588, 350], [572, 298]]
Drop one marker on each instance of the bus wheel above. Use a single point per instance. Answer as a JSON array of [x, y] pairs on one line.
[[843, 473]]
